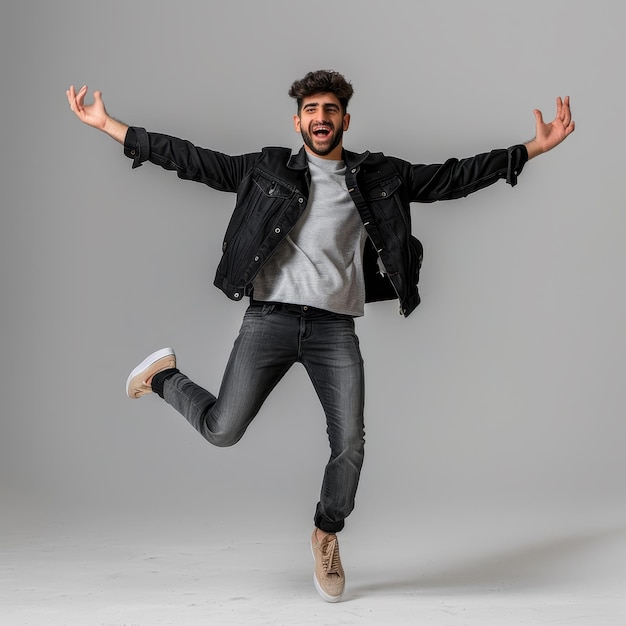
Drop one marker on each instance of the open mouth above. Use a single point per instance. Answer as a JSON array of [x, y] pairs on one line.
[[322, 131]]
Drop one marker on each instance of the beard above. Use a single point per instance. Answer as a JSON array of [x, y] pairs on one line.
[[321, 151]]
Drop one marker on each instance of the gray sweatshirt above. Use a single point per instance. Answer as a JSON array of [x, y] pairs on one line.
[[320, 263]]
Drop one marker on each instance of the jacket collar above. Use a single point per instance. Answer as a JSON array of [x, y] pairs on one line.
[[298, 161]]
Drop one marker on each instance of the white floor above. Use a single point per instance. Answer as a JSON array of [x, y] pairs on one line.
[[444, 572]]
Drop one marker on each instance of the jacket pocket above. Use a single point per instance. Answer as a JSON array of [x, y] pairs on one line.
[[382, 190], [270, 187]]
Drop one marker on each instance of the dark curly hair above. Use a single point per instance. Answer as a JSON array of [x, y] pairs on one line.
[[322, 81]]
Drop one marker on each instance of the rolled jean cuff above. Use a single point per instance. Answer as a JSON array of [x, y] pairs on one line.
[[159, 379], [327, 525]]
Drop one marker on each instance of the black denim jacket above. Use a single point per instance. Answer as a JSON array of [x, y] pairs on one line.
[[272, 188]]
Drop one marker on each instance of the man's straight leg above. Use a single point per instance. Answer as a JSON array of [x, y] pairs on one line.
[[331, 355], [329, 350]]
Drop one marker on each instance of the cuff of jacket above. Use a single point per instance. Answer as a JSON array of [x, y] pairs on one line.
[[137, 145], [518, 155]]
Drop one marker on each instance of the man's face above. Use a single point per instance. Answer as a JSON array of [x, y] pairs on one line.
[[321, 122]]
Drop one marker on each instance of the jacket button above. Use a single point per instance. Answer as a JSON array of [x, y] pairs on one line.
[[236, 295], [300, 200], [256, 258], [133, 152], [277, 230], [383, 194]]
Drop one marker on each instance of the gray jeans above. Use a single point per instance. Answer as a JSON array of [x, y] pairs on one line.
[[272, 338]]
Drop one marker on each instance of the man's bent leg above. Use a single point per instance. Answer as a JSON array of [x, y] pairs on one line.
[[264, 350]]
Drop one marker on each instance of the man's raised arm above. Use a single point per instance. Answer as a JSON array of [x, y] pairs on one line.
[[95, 114]]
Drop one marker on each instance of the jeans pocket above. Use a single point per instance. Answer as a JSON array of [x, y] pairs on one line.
[[259, 309]]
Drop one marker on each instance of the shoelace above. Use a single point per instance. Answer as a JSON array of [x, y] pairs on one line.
[[330, 557]]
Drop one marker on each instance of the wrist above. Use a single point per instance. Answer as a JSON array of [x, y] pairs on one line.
[[533, 148], [114, 128]]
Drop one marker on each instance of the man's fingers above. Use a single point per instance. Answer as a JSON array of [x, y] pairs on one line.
[[567, 112], [71, 98], [562, 110], [80, 96]]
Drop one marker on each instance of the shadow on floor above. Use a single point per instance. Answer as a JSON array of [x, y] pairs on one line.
[[578, 559]]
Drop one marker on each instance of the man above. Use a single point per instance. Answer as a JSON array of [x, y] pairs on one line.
[[313, 236]]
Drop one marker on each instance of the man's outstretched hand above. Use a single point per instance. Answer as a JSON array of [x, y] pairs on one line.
[[95, 114], [547, 136]]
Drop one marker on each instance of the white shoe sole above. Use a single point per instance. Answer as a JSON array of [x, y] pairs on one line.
[[147, 362]]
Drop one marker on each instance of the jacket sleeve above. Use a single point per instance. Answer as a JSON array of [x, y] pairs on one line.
[[458, 178], [219, 171]]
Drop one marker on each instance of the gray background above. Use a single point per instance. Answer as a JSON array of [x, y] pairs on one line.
[[503, 392]]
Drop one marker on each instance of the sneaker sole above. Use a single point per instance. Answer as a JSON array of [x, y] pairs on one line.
[[147, 362], [318, 587]]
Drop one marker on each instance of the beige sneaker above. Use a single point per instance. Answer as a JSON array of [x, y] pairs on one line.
[[328, 577], [138, 382]]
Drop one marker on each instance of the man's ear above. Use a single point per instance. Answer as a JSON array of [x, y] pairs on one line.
[[346, 121], [296, 123]]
